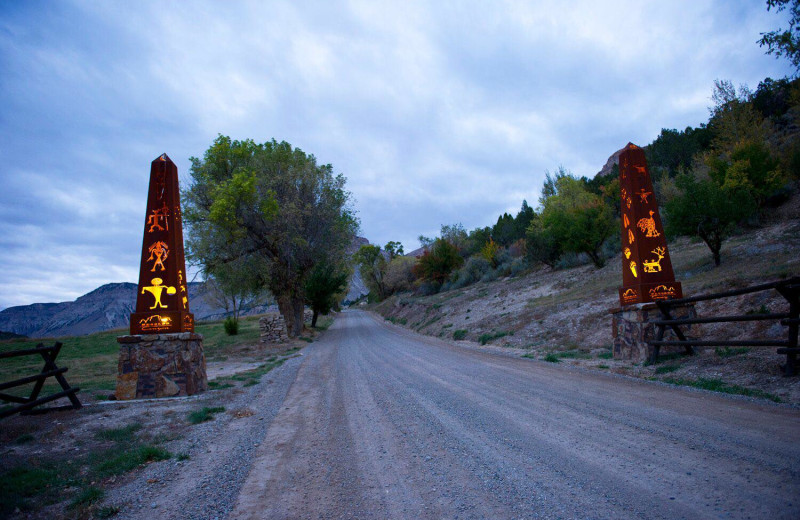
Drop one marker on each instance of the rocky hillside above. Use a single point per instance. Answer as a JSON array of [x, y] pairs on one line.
[[567, 311]]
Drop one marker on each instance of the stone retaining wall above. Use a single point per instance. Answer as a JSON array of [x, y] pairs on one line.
[[273, 327]]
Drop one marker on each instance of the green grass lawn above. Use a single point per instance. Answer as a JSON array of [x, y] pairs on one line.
[[92, 359]]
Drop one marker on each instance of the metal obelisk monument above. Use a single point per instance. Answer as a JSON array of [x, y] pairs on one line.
[[646, 267], [162, 357], [162, 300]]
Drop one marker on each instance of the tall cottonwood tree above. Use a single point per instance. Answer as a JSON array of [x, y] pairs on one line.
[[273, 202]]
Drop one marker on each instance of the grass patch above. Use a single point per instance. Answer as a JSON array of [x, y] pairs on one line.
[[551, 358], [486, 338], [573, 354], [124, 434], [106, 512], [730, 352], [662, 358], [216, 385], [605, 355], [718, 385], [431, 321], [306, 339], [20, 484], [396, 321], [529, 355], [87, 497], [182, 456], [459, 334], [606, 367], [666, 369], [115, 462], [24, 438], [204, 414]]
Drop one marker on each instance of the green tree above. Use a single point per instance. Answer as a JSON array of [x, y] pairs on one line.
[[436, 264], [236, 285], [400, 274], [749, 170], [705, 209], [784, 42], [273, 202], [324, 286], [542, 246], [372, 263], [394, 249], [579, 220]]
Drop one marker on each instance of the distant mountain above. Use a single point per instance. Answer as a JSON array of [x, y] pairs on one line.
[[110, 307], [107, 307]]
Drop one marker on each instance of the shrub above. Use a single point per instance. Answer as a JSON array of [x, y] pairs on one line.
[[400, 274], [459, 334], [472, 272], [231, 326]]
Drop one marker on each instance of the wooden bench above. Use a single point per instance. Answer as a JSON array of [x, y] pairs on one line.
[[26, 405]]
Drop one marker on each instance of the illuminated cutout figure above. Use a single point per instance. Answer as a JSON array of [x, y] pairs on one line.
[[640, 170], [158, 252], [185, 299], [626, 220], [631, 238], [156, 218], [156, 289], [628, 202], [644, 194], [633, 269], [627, 252], [648, 226], [630, 295], [654, 266]]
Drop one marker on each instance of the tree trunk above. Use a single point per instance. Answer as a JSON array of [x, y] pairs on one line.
[[314, 318], [286, 307], [299, 303]]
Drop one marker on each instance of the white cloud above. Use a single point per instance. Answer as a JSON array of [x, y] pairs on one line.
[[436, 112]]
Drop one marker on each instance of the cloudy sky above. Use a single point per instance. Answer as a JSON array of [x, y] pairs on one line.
[[436, 112]]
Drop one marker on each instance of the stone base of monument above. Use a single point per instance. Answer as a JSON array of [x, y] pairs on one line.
[[633, 326], [161, 365]]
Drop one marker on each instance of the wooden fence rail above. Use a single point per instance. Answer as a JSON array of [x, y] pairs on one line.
[[789, 289], [26, 405]]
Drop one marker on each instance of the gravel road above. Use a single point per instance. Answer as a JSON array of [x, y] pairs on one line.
[[383, 423]]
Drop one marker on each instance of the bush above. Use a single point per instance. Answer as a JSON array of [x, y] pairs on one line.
[[472, 272], [459, 334], [400, 274], [231, 326], [518, 265]]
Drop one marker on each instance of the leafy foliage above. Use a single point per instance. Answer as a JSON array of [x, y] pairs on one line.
[[273, 203], [323, 287], [436, 264], [372, 265], [705, 209], [784, 42], [578, 219]]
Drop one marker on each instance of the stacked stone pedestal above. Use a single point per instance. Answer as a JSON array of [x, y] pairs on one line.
[[633, 326], [161, 365], [273, 327]]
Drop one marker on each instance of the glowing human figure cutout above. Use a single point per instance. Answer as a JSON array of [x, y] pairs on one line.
[[155, 219], [644, 194], [648, 226], [158, 252], [156, 289]]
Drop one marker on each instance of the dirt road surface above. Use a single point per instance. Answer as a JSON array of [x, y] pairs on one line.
[[384, 423]]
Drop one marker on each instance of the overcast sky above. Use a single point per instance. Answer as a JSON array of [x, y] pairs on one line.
[[436, 112]]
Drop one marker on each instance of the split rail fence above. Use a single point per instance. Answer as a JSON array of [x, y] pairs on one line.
[[26, 405]]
